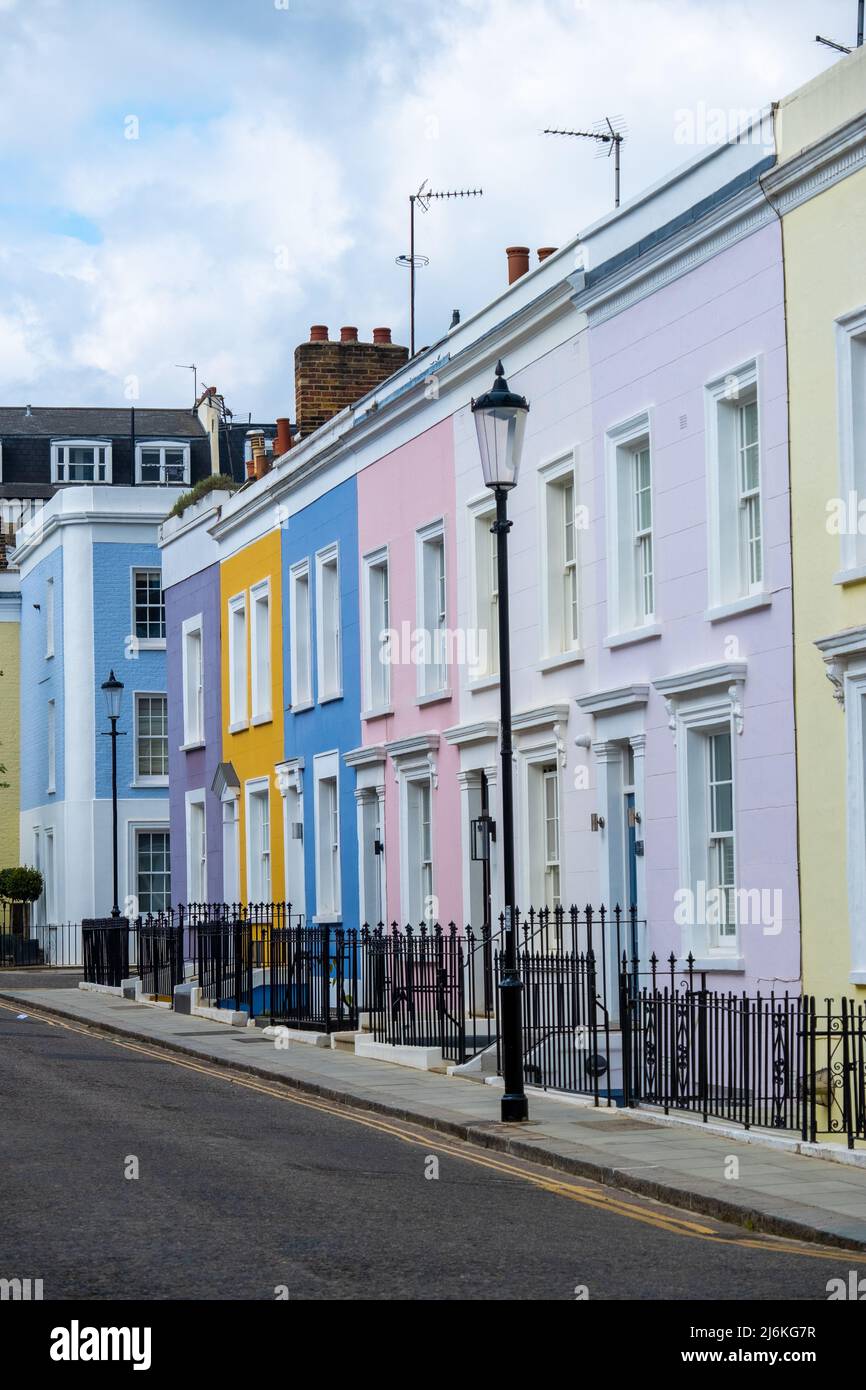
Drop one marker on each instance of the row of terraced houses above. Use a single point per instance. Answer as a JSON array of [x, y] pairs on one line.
[[312, 684]]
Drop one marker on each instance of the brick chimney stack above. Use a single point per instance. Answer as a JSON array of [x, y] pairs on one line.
[[332, 375]]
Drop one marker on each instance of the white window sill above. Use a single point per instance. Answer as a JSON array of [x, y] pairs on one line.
[[851, 576], [239, 726], [556, 663], [484, 683], [438, 697], [732, 964], [635, 634], [150, 644], [191, 746], [301, 706], [266, 718], [749, 604], [328, 919], [857, 977], [331, 695], [141, 782], [383, 713]]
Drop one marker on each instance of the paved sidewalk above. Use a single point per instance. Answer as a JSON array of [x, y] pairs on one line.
[[777, 1190]]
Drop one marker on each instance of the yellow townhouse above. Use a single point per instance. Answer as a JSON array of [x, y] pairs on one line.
[[819, 189]]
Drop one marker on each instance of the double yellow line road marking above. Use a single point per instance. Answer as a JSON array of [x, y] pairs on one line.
[[596, 1197]]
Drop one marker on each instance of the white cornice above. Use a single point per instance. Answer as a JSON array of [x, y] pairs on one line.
[[370, 756], [817, 167], [838, 650], [543, 717], [700, 679], [483, 731], [44, 530], [720, 228], [609, 701], [414, 746]]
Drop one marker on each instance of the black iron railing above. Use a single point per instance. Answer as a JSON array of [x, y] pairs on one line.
[[773, 1061], [312, 974], [418, 982], [56, 944], [160, 955], [105, 947]]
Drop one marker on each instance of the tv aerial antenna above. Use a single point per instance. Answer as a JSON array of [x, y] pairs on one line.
[[608, 132], [841, 47], [190, 367], [423, 198]]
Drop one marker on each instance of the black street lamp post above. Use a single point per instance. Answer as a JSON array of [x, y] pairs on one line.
[[500, 421], [113, 689]]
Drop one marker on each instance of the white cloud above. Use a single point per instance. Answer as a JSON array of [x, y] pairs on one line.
[[268, 187]]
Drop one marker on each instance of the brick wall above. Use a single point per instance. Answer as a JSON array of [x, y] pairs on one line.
[[332, 375]]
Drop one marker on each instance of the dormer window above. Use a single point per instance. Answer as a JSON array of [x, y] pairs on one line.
[[162, 461], [81, 461]]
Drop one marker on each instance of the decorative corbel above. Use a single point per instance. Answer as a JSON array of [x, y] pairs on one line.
[[559, 740], [434, 775], [835, 674], [735, 695]]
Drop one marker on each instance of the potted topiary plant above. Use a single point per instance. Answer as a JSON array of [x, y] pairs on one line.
[[20, 886]]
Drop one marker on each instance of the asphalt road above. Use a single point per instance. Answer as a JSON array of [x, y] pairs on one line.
[[240, 1193]]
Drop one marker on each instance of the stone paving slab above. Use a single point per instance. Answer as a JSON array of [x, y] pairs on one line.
[[778, 1190]]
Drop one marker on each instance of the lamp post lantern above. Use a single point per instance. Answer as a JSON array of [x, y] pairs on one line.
[[113, 689], [500, 422]]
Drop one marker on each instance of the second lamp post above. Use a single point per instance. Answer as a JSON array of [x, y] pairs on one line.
[[500, 421], [113, 689]]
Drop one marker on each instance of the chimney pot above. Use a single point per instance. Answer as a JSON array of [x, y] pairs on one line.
[[381, 335], [319, 333], [348, 335], [284, 436], [518, 262], [545, 251]]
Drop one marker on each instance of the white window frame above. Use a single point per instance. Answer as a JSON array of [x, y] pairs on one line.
[[326, 770], [162, 445], [196, 854], [137, 829], [49, 873], [51, 746], [421, 869], [260, 653], [851, 427], [259, 857], [377, 666], [695, 721], [626, 616], [433, 675], [49, 617], [230, 809], [550, 783], [238, 634], [155, 644], [290, 782], [59, 461], [483, 593], [730, 588], [371, 878], [535, 762], [329, 625], [301, 638], [193, 701], [559, 645], [147, 779]]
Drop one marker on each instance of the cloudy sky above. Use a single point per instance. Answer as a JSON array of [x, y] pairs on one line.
[[201, 181]]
